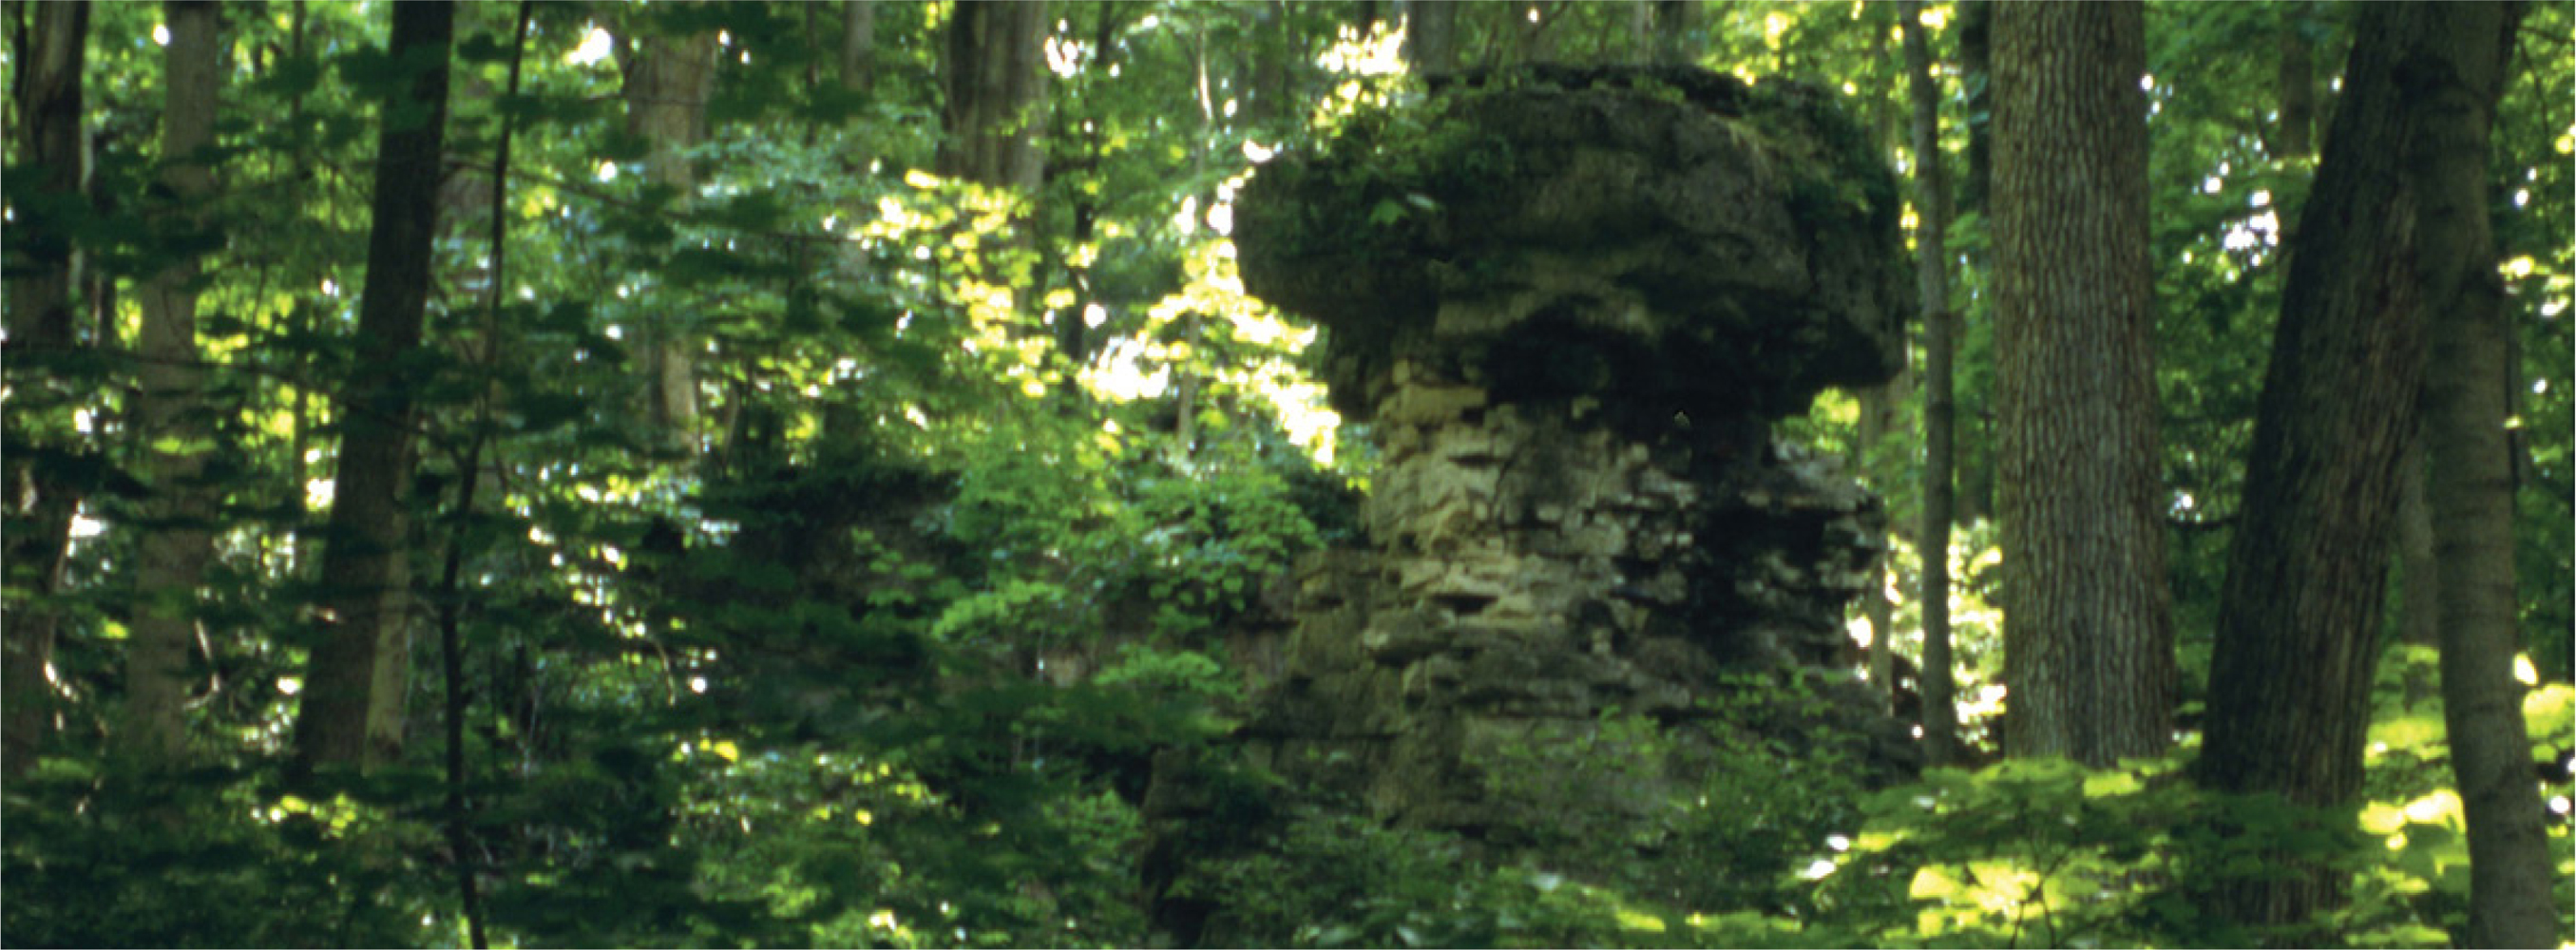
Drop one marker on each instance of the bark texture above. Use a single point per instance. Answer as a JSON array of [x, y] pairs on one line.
[[2452, 80], [353, 691], [2299, 613], [2088, 642], [53, 150], [2419, 614], [995, 79], [176, 538], [1932, 282]]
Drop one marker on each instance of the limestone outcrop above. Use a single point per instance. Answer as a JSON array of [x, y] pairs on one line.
[[1568, 305]]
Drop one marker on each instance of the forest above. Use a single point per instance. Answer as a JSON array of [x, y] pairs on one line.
[[964, 473]]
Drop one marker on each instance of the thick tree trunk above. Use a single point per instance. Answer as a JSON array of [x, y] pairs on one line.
[[1932, 284], [53, 152], [2452, 82], [668, 79], [2088, 641], [2419, 614], [176, 537], [2299, 616], [1431, 36], [353, 695], [995, 79]]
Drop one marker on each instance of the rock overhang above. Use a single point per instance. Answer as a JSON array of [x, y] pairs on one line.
[[1671, 240]]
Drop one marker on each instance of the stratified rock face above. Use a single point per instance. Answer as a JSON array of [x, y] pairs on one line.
[[1584, 298]]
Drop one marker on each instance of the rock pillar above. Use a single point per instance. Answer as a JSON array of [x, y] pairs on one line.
[[1567, 305]]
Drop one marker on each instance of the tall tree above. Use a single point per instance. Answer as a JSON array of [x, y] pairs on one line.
[[2293, 127], [2088, 641], [2299, 612], [177, 536], [668, 79], [1974, 475], [858, 45], [2419, 610], [353, 690], [994, 76], [52, 152], [1431, 36], [1932, 282], [2452, 80]]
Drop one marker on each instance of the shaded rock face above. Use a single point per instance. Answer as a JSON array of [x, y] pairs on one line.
[[1569, 305], [1595, 292], [1663, 240]]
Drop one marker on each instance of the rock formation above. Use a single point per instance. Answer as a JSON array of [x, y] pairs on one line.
[[1568, 305]]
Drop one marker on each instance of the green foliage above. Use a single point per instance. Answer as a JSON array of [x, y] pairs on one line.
[[885, 656], [1333, 880], [105, 857]]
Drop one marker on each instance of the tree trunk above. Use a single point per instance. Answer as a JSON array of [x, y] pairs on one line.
[[1932, 283], [858, 44], [176, 534], [2419, 615], [2299, 615], [1676, 22], [1875, 411], [668, 79], [2452, 80], [2294, 128], [1431, 36], [353, 694], [1273, 56], [2088, 640], [53, 156], [995, 79]]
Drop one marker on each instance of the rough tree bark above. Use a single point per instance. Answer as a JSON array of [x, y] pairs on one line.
[[2299, 615], [2088, 640], [2452, 80], [176, 536], [353, 698], [53, 154], [1932, 282]]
